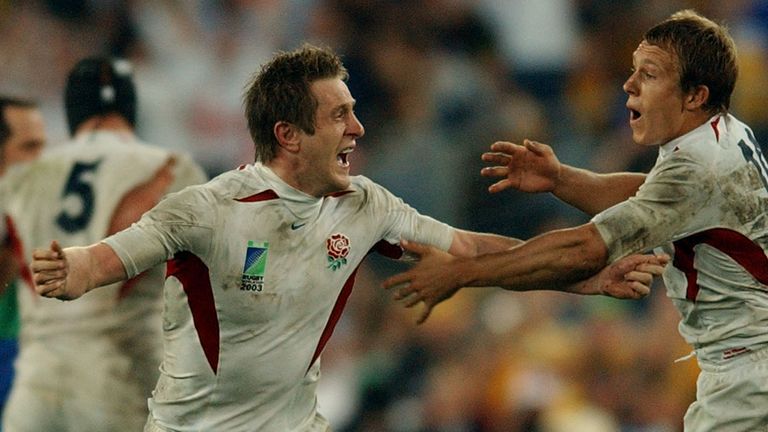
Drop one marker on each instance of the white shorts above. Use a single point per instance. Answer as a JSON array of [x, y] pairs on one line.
[[732, 397]]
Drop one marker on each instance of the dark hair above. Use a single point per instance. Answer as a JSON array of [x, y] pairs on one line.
[[280, 92], [97, 86], [706, 55], [6, 102]]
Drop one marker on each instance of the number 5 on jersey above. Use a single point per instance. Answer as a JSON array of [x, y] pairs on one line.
[[77, 198]]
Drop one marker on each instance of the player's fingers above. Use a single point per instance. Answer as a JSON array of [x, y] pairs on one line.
[[505, 147], [661, 260], [639, 276], [413, 300], [536, 147], [42, 278], [494, 171], [496, 158], [500, 186], [56, 247], [654, 269], [425, 314], [641, 289], [402, 291], [396, 281], [39, 265], [49, 289], [45, 254]]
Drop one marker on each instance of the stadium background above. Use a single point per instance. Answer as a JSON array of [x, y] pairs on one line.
[[437, 81]]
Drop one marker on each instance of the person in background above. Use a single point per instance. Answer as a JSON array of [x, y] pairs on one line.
[[22, 139], [89, 366]]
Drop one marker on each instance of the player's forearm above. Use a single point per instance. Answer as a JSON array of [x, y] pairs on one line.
[[470, 244], [592, 192], [558, 260], [93, 266]]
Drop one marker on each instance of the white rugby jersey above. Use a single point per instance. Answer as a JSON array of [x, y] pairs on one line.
[[708, 195], [259, 275], [70, 194]]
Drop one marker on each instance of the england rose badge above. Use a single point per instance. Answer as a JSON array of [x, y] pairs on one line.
[[338, 249]]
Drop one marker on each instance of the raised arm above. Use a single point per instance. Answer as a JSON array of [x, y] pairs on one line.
[[67, 274], [533, 167]]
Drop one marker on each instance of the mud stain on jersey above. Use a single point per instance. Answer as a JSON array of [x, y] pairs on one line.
[[741, 201]]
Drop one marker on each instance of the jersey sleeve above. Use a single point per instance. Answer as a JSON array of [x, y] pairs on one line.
[[178, 223], [398, 220], [663, 208]]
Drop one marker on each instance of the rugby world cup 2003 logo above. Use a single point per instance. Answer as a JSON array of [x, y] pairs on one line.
[[254, 266], [338, 249]]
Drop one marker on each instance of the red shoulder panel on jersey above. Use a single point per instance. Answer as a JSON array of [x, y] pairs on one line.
[[339, 194], [266, 195]]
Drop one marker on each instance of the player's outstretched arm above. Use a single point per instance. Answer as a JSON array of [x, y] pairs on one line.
[[533, 167], [431, 280], [67, 274]]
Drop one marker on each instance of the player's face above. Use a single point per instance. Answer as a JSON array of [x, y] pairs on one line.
[[326, 152], [27, 137], [655, 102]]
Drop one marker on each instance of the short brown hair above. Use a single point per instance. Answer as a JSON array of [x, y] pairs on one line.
[[280, 92], [706, 55]]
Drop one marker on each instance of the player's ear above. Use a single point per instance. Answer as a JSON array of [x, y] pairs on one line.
[[287, 135], [696, 98]]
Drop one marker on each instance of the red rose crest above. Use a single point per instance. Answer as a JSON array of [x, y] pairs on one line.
[[338, 249]]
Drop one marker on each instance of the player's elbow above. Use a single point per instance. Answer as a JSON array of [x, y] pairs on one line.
[[589, 252]]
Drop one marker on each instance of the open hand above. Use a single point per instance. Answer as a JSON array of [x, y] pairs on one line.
[[531, 167], [430, 280]]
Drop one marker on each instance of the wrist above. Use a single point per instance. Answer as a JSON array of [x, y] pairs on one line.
[[78, 267], [467, 273], [562, 178]]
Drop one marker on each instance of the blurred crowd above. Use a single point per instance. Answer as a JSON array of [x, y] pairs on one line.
[[436, 82]]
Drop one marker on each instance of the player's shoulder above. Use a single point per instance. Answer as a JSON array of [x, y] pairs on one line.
[[229, 185], [368, 191], [719, 133]]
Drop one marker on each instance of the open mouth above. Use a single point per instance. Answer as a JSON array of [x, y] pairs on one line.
[[634, 114], [343, 157]]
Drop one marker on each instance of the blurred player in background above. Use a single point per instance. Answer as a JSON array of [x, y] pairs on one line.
[[264, 258], [22, 139], [90, 366], [705, 202]]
